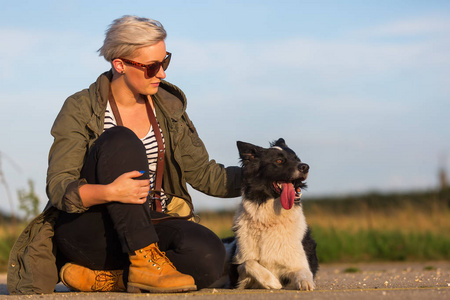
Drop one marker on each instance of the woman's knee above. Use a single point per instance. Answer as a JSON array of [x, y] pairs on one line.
[[119, 137], [118, 150]]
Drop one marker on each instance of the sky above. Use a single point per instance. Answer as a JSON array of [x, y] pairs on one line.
[[359, 89]]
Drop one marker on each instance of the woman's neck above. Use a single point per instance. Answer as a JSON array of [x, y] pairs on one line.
[[122, 93]]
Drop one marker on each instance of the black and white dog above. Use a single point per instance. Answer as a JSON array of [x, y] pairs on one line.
[[273, 247]]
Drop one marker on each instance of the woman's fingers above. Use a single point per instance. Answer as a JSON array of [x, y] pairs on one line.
[[131, 190], [133, 174]]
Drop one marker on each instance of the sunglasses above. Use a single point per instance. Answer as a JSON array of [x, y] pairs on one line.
[[153, 68]]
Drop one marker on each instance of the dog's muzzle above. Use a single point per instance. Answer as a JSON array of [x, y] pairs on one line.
[[304, 168]]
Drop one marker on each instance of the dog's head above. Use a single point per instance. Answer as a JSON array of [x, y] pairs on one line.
[[271, 173]]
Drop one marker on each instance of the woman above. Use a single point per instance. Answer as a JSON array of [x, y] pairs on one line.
[[109, 154]]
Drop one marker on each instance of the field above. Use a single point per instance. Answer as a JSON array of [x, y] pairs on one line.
[[365, 228], [373, 227]]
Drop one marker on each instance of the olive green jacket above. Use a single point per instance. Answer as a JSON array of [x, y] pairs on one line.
[[32, 262]]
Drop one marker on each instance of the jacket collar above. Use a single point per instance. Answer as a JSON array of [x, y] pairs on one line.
[[103, 85], [171, 99]]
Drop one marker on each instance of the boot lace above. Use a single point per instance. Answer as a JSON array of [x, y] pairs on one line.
[[158, 258], [106, 281]]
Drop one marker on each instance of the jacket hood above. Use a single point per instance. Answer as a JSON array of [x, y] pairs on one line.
[[172, 98]]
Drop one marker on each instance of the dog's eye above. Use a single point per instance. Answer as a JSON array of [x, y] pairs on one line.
[[279, 161]]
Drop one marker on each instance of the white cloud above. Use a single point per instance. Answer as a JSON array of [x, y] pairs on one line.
[[424, 26], [17, 42], [16, 46], [46, 54], [360, 53]]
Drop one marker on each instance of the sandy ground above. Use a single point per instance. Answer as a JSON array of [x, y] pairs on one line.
[[409, 280]]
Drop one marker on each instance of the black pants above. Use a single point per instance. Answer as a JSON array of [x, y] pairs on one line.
[[102, 237]]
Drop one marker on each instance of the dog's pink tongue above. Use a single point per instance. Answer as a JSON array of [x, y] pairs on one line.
[[287, 195]]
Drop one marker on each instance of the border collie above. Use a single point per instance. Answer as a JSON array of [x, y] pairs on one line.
[[272, 247]]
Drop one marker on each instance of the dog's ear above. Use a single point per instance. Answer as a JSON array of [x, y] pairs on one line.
[[247, 151], [280, 143]]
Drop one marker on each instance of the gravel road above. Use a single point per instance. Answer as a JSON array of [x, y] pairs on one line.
[[408, 280]]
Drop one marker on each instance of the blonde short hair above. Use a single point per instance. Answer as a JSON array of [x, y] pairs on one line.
[[129, 33]]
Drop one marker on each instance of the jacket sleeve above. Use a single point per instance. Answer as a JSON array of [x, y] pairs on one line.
[[203, 174], [66, 157]]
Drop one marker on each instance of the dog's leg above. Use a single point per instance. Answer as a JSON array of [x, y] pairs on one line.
[[300, 275], [304, 280], [301, 279], [253, 275]]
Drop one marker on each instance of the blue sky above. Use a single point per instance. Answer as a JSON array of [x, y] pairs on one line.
[[359, 89]]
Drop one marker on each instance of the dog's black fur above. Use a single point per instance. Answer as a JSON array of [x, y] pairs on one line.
[[261, 168]]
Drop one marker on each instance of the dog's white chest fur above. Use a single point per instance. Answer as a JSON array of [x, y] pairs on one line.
[[269, 245], [267, 232]]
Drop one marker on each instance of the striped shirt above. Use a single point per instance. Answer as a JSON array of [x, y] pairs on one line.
[[151, 148]]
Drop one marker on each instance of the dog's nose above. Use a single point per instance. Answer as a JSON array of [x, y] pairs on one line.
[[304, 168]]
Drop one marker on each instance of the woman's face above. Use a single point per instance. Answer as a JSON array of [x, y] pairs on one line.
[[136, 77]]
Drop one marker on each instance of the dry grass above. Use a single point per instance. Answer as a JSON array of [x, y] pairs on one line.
[[403, 231], [405, 219], [220, 223]]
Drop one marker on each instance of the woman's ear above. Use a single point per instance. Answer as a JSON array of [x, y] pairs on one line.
[[118, 65]]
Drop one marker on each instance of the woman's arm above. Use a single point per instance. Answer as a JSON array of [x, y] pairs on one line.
[[204, 174], [65, 189], [67, 153], [124, 189]]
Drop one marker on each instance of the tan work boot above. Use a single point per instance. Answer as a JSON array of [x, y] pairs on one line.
[[82, 279], [152, 271]]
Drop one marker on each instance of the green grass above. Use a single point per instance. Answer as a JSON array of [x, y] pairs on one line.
[[394, 227], [375, 245], [352, 270]]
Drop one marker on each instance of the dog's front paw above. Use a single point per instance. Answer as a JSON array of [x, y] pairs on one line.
[[258, 283], [304, 280], [254, 276], [306, 285], [271, 283]]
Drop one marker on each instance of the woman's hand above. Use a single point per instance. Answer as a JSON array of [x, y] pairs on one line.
[[126, 189]]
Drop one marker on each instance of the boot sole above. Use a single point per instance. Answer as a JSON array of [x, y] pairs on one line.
[[142, 288]]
